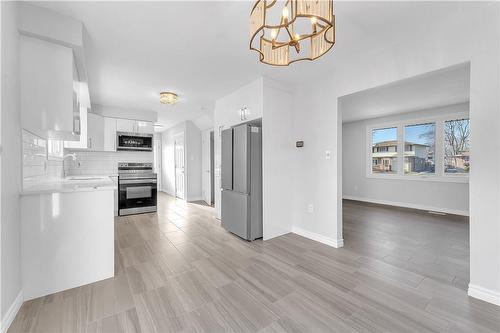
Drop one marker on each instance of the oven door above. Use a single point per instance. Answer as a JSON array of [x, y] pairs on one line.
[[137, 196]]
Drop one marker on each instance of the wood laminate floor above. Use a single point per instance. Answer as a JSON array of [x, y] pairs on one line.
[[179, 271]]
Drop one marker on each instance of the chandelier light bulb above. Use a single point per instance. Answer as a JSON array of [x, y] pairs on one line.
[[314, 20], [285, 12], [274, 33]]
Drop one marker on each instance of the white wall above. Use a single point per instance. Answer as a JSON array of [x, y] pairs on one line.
[[11, 161], [317, 122], [438, 196], [278, 160]]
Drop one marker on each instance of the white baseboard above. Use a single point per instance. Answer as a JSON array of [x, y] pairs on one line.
[[336, 243], [408, 205], [12, 312], [195, 199], [484, 294]]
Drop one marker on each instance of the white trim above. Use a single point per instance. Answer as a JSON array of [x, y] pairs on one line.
[[464, 178], [195, 199], [408, 205], [336, 243], [484, 294], [12, 312]]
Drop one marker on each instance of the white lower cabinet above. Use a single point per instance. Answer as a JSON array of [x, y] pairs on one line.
[[68, 240]]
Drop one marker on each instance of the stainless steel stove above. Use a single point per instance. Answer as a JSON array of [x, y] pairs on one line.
[[137, 188]]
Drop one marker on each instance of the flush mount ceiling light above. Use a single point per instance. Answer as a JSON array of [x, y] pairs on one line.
[[167, 97], [287, 31]]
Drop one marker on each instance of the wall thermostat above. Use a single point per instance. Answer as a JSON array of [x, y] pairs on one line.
[[299, 144]]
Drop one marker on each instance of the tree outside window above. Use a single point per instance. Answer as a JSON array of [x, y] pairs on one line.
[[456, 146]]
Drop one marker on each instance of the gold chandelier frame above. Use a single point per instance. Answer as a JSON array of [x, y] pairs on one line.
[[323, 28]]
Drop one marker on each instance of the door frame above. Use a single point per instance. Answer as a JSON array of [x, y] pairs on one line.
[[207, 168], [177, 137]]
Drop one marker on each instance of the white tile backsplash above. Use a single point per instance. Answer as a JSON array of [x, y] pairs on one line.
[[36, 166], [102, 163]]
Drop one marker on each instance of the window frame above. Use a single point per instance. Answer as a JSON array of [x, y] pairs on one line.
[[439, 146]]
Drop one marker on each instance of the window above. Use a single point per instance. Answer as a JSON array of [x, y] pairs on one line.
[[55, 149], [456, 146], [420, 143], [434, 148], [384, 150]]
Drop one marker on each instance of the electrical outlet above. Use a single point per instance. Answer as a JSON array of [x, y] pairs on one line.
[[310, 208]]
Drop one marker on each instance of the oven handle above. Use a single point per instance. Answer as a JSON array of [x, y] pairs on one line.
[[137, 181]]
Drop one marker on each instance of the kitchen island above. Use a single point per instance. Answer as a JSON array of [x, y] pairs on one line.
[[67, 234]]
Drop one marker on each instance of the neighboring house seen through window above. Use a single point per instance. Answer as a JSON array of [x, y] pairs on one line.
[[419, 149], [436, 148], [384, 150]]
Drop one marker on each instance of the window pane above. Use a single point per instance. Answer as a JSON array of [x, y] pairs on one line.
[[456, 146], [419, 149], [385, 150]]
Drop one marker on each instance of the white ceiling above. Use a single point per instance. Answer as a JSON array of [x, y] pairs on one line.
[[200, 49], [444, 87]]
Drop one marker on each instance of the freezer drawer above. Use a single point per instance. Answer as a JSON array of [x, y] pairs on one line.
[[234, 213], [227, 159]]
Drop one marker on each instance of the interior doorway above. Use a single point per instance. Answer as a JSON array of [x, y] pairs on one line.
[[179, 156], [403, 174]]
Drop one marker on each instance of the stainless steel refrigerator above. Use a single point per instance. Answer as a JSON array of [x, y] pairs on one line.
[[241, 181]]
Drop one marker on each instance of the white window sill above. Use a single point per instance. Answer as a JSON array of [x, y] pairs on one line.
[[423, 178]]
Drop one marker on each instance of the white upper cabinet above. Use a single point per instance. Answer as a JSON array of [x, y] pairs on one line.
[[49, 100], [134, 126], [242, 105], [125, 125], [145, 127], [110, 134], [95, 132]]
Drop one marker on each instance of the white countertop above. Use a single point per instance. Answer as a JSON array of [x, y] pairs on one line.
[[71, 184]]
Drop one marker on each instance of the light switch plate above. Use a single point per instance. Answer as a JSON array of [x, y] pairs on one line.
[[310, 208], [328, 155]]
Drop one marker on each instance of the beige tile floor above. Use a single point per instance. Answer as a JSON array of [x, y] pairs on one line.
[[179, 271]]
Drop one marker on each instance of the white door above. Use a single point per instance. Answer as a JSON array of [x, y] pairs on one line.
[[205, 167], [179, 166], [157, 161]]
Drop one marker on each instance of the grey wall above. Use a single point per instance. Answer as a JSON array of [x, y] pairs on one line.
[[11, 165], [443, 196]]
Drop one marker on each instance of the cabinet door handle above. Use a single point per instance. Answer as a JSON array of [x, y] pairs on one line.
[[90, 143]]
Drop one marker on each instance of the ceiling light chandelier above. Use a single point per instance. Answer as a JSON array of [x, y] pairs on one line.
[[287, 31], [167, 97]]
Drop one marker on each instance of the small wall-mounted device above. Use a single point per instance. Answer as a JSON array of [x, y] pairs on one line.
[[299, 144]]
